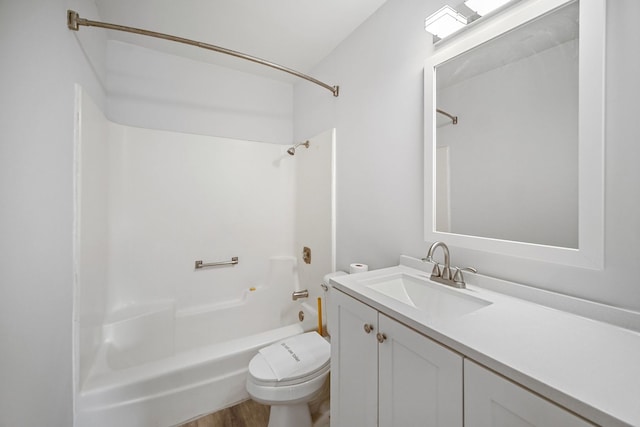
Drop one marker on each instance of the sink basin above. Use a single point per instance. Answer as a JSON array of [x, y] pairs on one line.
[[438, 300]]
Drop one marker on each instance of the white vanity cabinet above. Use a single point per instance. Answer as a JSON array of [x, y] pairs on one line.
[[384, 373], [354, 363], [493, 401], [472, 356]]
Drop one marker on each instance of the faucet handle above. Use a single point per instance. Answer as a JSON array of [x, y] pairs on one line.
[[436, 270], [457, 277], [436, 267]]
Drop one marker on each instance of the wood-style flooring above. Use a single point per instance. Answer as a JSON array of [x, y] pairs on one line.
[[245, 414], [253, 414]]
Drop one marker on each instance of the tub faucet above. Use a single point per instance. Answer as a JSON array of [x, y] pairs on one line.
[[304, 293], [444, 276]]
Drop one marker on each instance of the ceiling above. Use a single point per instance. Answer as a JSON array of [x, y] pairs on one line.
[[294, 33]]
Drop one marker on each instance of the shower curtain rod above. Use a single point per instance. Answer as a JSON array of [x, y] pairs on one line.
[[74, 21], [453, 118]]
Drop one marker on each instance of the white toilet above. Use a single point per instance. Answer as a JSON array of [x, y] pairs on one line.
[[287, 375]]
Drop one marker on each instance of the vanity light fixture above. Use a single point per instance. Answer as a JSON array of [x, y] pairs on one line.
[[484, 7], [444, 22]]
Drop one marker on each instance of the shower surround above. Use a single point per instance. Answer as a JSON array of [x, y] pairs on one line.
[[151, 331]]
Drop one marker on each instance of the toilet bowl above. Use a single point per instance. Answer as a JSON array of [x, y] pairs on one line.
[[287, 375]]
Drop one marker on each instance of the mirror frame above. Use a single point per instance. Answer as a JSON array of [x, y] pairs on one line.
[[591, 86]]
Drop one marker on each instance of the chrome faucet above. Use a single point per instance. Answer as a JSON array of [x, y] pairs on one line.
[[444, 276], [304, 293]]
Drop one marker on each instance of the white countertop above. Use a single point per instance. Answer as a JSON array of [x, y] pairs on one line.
[[591, 368]]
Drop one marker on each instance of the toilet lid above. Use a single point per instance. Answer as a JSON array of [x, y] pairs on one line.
[[293, 358]]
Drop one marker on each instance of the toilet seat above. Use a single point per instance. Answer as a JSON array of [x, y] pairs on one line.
[[313, 364], [261, 373]]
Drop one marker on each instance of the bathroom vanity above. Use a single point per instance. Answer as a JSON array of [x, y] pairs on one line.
[[409, 351]]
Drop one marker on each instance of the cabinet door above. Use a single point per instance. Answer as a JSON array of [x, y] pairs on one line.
[[420, 381], [354, 363], [492, 401]]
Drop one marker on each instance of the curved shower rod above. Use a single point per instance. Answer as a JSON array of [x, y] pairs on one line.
[[453, 118], [74, 21]]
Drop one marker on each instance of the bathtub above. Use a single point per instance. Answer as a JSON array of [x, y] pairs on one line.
[[161, 367]]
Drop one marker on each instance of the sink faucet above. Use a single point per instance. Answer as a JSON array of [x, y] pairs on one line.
[[444, 276]]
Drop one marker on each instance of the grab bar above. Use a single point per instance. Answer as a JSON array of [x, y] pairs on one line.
[[200, 264]]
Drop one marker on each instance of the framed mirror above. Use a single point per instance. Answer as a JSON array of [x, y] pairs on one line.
[[514, 134]]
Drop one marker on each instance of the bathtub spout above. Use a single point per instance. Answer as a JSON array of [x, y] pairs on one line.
[[304, 293]]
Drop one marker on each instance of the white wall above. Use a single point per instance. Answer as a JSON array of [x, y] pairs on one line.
[[41, 61], [155, 90], [378, 121], [175, 198], [378, 118], [90, 232], [314, 200]]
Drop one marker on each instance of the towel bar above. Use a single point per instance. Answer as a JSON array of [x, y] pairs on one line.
[[200, 264]]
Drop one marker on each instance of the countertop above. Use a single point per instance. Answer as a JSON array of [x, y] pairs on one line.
[[589, 367]]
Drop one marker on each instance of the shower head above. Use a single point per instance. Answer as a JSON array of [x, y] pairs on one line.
[[291, 151]]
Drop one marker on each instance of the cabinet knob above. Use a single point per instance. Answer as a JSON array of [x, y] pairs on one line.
[[368, 328], [381, 337]]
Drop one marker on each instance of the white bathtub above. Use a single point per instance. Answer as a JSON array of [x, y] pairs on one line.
[[158, 367]]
